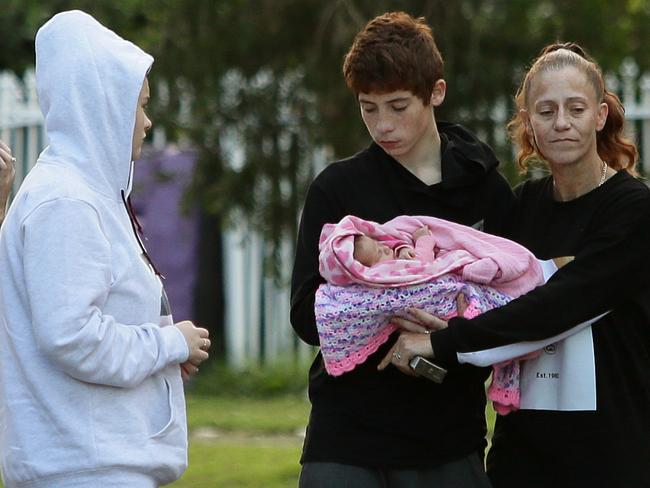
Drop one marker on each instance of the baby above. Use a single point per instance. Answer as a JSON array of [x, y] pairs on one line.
[[369, 251], [376, 271]]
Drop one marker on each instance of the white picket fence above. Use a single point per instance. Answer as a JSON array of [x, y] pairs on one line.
[[21, 123], [634, 91], [257, 307]]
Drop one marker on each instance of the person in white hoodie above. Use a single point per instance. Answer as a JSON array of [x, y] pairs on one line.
[[91, 393], [7, 174]]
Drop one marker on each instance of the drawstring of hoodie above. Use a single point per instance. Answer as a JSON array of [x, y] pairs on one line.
[[137, 230]]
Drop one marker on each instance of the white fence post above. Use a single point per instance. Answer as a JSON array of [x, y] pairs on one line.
[[21, 123], [635, 95]]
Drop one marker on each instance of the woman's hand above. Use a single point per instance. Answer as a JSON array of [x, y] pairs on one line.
[[197, 344], [423, 322], [419, 321], [408, 345], [414, 339]]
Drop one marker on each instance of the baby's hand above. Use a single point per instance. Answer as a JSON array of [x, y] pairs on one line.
[[405, 253], [421, 232]]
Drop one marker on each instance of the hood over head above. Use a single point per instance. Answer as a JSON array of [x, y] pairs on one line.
[[88, 81]]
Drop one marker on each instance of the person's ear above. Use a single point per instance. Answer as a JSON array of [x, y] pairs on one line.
[[601, 117], [525, 118], [438, 93]]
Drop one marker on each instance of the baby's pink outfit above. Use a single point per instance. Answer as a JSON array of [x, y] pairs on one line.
[[474, 255], [353, 310]]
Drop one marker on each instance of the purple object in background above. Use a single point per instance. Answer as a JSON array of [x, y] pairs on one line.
[[160, 180]]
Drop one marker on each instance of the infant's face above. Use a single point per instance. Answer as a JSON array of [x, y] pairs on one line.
[[370, 252]]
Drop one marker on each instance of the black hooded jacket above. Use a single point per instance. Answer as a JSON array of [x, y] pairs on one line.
[[387, 419]]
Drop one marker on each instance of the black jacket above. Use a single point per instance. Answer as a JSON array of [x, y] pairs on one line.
[[387, 419], [607, 232]]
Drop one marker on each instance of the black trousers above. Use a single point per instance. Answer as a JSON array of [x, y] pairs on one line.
[[463, 473]]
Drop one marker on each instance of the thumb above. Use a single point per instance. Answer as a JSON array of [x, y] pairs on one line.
[[461, 304]]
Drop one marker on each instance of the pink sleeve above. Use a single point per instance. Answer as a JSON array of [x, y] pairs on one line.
[[483, 271], [424, 247]]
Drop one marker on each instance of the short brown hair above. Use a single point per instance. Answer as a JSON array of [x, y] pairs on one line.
[[394, 52]]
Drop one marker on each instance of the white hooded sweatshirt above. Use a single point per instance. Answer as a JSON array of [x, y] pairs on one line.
[[90, 386]]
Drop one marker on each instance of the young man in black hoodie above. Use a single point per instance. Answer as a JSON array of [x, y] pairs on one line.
[[369, 428]]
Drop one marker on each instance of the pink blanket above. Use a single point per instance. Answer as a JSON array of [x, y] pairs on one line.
[[474, 255], [353, 321]]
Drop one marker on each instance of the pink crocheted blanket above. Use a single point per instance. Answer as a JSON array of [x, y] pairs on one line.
[[353, 319]]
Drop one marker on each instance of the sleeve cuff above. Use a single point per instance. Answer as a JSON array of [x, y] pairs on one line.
[[444, 352], [175, 344]]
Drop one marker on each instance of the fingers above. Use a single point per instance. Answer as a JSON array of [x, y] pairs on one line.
[[387, 359], [425, 319], [198, 357], [184, 374], [461, 304], [188, 370], [408, 325], [197, 341], [205, 344], [6, 157], [408, 346], [398, 359]]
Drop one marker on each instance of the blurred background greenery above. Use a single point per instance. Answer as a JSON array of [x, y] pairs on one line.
[[268, 73], [255, 86]]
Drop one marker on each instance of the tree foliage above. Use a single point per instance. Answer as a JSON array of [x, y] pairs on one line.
[[256, 86]]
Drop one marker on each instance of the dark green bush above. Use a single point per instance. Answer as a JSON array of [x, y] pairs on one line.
[[280, 378]]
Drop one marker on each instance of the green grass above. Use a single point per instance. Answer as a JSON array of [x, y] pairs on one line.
[[258, 446], [245, 429], [232, 465], [255, 443], [252, 381], [274, 415]]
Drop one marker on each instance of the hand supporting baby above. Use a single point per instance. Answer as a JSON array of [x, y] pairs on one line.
[[414, 337]]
